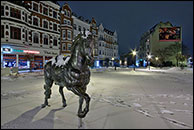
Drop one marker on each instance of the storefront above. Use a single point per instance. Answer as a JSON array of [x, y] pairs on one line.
[[25, 58]]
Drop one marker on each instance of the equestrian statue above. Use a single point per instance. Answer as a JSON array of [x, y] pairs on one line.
[[72, 71]]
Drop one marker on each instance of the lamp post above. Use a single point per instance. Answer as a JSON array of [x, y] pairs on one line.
[[134, 54], [157, 61], [149, 57]]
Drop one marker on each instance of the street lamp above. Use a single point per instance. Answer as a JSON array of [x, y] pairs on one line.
[[134, 52], [149, 57], [157, 61]]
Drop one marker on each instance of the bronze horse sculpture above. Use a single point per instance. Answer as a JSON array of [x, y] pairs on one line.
[[72, 72]]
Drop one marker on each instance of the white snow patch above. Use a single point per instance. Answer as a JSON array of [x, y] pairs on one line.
[[136, 105], [60, 60], [167, 112]]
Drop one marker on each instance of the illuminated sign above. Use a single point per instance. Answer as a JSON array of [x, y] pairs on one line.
[[170, 34], [31, 52], [10, 50]]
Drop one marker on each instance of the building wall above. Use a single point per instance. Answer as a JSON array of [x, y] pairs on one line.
[[150, 42], [66, 29], [24, 25]]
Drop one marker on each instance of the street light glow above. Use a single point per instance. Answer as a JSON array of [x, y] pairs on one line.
[[156, 58], [134, 52], [149, 56]]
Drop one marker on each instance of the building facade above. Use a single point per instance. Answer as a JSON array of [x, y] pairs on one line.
[[66, 30], [29, 29], [159, 37], [32, 32], [107, 45]]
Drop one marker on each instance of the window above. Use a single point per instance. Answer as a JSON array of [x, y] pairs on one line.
[[69, 46], [15, 13], [26, 17], [55, 41], [65, 12], [65, 21], [64, 47], [75, 27], [80, 28], [54, 14], [36, 38], [45, 39], [15, 33], [26, 35], [99, 52], [35, 7], [55, 27], [35, 21], [69, 22], [69, 35], [2, 31], [2, 10], [64, 34], [99, 44], [45, 24], [45, 11]]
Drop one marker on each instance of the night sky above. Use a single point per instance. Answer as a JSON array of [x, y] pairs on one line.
[[132, 18]]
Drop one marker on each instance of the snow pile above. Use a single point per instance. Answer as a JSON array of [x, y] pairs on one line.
[[87, 34], [60, 60]]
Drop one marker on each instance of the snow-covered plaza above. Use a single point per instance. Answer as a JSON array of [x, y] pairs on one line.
[[123, 99]]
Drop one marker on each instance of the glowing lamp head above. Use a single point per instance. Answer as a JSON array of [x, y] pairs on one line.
[[157, 58], [149, 56]]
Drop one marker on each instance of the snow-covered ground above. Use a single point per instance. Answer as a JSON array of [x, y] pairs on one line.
[[141, 99]]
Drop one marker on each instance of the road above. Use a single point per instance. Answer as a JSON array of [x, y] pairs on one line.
[[119, 99]]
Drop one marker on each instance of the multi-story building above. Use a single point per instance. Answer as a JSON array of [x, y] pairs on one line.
[[66, 29], [107, 45], [158, 37], [29, 29]]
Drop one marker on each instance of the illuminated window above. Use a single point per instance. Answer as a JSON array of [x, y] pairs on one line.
[[15, 33]]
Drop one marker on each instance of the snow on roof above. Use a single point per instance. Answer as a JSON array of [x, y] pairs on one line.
[[60, 60]]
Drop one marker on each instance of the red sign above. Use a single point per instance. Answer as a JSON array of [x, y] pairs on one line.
[[32, 52]]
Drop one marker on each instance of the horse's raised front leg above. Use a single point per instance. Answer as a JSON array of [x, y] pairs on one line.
[[47, 93], [80, 91], [62, 95]]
